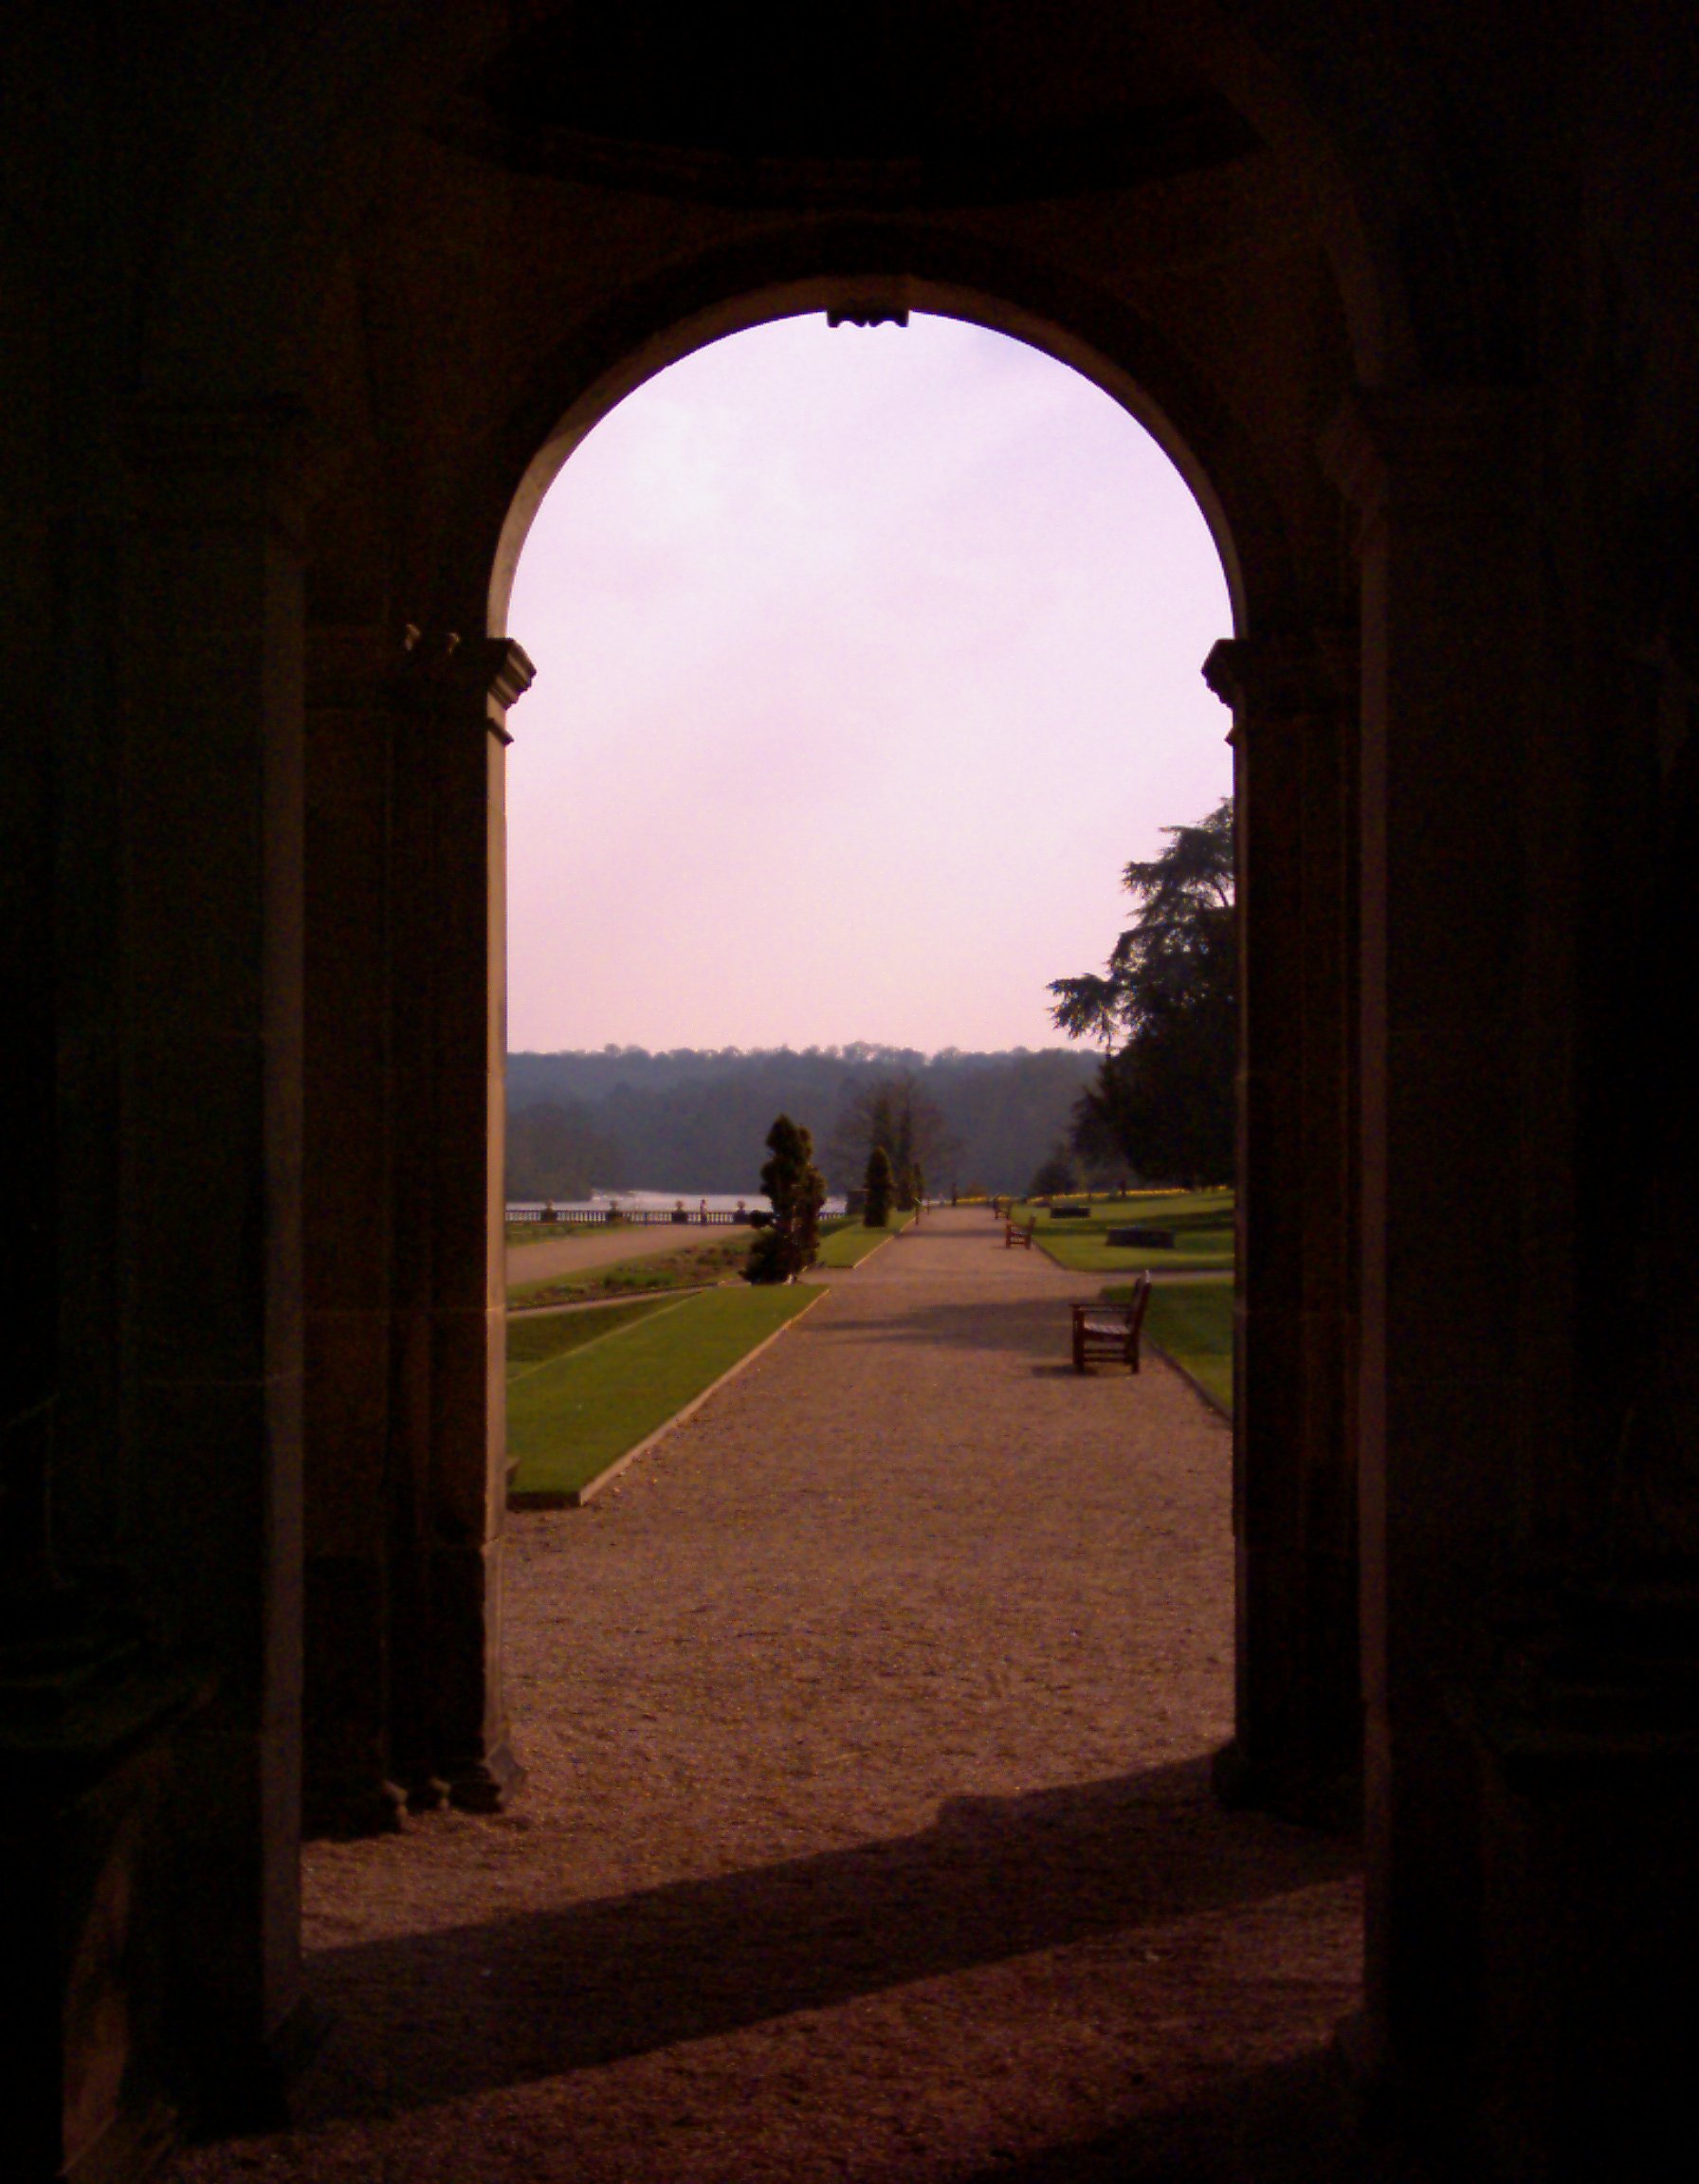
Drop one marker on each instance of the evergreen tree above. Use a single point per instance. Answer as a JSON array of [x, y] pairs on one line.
[[877, 1187], [797, 1191], [1164, 1097]]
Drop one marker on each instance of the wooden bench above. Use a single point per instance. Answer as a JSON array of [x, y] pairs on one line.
[[1110, 1332], [1018, 1232]]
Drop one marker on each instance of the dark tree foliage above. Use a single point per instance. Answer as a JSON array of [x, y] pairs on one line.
[[797, 1191], [893, 1111], [1056, 1173], [877, 1187], [557, 1150], [1167, 1013]]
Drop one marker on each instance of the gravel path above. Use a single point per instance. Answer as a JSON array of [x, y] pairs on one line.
[[869, 1834]]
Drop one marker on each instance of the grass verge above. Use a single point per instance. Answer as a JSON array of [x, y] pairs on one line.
[[576, 1414], [1192, 1322], [533, 1341], [686, 1268], [1201, 1221], [849, 1241]]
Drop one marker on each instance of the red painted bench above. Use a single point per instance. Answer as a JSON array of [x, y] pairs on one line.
[[1109, 1332]]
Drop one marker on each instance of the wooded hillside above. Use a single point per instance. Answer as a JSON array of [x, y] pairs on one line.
[[694, 1119]]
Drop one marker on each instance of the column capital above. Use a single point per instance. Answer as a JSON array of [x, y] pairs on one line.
[[441, 670], [1290, 677]]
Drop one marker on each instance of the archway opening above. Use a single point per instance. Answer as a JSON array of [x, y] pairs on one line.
[[806, 1778], [899, 626], [690, 1699]]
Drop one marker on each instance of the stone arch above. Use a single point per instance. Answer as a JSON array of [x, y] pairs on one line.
[[433, 1356], [366, 1753], [833, 292], [228, 462], [1298, 1726], [1274, 580], [1458, 486]]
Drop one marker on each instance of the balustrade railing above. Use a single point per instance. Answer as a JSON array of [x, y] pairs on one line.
[[633, 1217]]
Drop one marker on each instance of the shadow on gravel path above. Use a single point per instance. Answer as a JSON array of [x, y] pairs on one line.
[[549, 1992]]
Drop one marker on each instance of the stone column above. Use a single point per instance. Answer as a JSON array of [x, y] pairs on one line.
[[1587, 1730], [87, 1703], [1450, 669], [348, 1218], [448, 1438], [1296, 1747], [211, 1202]]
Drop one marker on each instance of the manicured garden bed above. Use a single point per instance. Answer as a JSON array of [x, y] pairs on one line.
[[1201, 1223], [535, 1337], [574, 1415], [689, 1268], [550, 1231]]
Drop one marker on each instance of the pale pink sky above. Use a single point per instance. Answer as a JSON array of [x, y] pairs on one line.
[[865, 659]]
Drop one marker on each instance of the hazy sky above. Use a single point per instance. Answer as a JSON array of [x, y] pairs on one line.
[[865, 659]]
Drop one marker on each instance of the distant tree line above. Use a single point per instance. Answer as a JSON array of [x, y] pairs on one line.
[[558, 1149], [687, 1120]]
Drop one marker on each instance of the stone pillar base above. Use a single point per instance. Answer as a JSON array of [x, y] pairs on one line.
[[250, 2090], [85, 1725], [344, 1811], [1323, 1793], [1588, 1747], [489, 1784]]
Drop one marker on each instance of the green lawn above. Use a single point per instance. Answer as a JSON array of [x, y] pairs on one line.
[[571, 1416], [1202, 1222], [538, 1337], [1192, 1321], [688, 1268], [848, 1242]]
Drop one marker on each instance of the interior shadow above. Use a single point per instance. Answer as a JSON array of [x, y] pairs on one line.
[[1292, 2123], [427, 2017]]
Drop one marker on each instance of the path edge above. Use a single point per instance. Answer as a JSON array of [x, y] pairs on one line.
[[870, 1255], [1211, 1401], [576, 1496]]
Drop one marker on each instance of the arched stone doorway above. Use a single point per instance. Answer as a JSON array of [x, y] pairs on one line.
[[329, 349], [378, 1605]]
